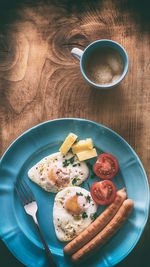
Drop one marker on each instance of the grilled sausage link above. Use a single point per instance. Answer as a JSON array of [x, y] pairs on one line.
[[111, 228], [97, 225]]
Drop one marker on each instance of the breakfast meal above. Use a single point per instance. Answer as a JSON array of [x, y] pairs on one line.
[[75, 215], [73, 212]]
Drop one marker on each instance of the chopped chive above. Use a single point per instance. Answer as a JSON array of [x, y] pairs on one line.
[[71, 160], [75, 180], [88, 198], [65, 163], [68, 161], [84, 215], [79, 194]]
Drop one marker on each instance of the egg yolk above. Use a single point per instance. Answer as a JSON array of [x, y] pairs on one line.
[[58, 177], [51, 176], [72, 205]]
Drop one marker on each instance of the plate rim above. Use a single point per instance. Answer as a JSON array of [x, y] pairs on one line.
[[141, 230]]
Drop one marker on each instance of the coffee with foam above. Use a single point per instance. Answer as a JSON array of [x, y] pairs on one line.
[[103, 65]]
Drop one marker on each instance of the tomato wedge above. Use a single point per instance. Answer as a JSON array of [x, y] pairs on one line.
[[104, 192], [106, 166]]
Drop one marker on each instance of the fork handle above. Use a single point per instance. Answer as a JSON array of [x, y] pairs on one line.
[[48, 252]]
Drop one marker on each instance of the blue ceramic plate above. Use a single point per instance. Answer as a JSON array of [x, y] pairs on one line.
[[17, 229]]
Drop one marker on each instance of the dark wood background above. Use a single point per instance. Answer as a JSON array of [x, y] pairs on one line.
[[40, 80]]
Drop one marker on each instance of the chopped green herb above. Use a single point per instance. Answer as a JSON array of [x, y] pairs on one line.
[[93, 216], [88, 198], [74, 165], [75, 180], [65, 163], [68, 161], [79, 194], [84, 215], [71, 160], [79, 164]]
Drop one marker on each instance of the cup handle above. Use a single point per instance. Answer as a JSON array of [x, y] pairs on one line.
[[76, 53]]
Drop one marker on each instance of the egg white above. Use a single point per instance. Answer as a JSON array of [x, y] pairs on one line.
[[76, 172], [68, 226]]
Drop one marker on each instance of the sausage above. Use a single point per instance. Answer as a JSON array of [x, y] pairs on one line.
[[100, 239], [97, 225]]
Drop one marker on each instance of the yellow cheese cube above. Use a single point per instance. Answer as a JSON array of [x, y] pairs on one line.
[[82, 145], [87, 154], [70, 139]]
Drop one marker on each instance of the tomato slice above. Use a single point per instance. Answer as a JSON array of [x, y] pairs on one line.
[[106, 166], [104, 192]]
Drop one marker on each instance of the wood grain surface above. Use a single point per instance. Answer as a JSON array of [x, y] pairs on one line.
[[40, 80]]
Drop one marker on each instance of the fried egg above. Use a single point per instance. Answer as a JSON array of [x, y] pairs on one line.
[[55, 172], [73, 211]]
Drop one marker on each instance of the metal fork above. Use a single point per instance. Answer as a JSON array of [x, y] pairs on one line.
[[29, 203]]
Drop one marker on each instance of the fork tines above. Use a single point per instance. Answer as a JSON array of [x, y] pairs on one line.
[[24, 192]]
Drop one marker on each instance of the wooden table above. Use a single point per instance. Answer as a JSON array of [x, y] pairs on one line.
[[40, 80]]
